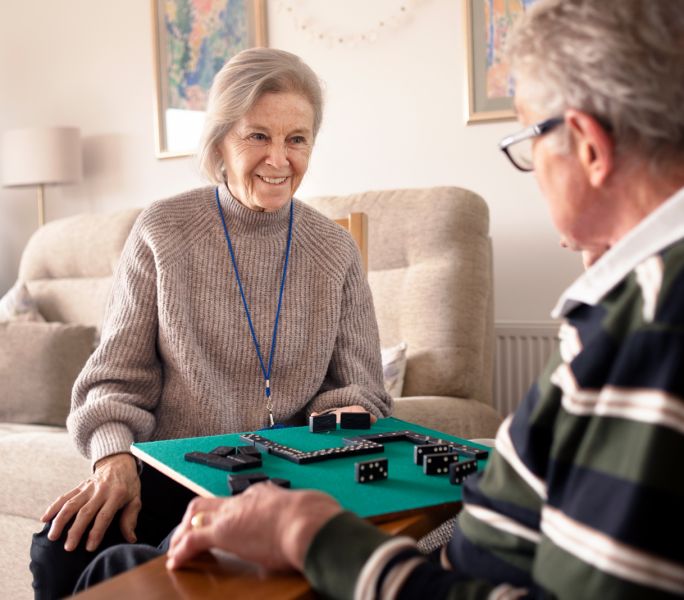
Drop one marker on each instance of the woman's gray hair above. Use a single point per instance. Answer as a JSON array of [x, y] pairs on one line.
[[622, 62], [240, 84]]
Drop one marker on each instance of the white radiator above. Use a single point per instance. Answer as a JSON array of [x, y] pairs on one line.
[[520, 354]]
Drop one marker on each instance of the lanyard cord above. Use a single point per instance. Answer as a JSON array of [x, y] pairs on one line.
[[266, 372]]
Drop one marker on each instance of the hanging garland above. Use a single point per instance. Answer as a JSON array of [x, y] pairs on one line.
[[308, 26]]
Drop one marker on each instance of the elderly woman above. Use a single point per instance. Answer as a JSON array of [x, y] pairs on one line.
[[234, 307], [582, 497]]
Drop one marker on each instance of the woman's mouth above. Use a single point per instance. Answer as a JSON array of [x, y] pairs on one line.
[[272, 180]]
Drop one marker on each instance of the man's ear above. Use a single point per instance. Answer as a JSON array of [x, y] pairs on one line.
[[593, 146]]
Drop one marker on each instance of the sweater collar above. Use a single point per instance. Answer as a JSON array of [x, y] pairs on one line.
[[245, 221]]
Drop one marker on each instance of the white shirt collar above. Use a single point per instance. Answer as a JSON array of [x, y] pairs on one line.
[[662, 227]]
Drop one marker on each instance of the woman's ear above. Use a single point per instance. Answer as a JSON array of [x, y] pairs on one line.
[[593, 146]]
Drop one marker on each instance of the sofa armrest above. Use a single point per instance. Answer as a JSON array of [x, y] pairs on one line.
[[464, 418]]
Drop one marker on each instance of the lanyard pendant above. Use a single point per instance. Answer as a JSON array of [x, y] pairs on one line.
[[269, 402]]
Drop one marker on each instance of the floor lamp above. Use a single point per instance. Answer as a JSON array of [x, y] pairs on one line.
[[41, 156]]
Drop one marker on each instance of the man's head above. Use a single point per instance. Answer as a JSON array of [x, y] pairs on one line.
[[621, 62], [600, 86]]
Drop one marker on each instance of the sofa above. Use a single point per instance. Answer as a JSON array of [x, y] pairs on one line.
[[429, 268]]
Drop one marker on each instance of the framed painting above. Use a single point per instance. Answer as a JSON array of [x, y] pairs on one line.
[[192, 41], [489, 85]]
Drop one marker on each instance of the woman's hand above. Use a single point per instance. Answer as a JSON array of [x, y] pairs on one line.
[[266, 524], [114, 485], [341, 409]]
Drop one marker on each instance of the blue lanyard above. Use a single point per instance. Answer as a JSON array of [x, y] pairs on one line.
[[266, 372]]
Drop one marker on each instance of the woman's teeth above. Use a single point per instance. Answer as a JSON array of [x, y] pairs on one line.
[[273, 180]]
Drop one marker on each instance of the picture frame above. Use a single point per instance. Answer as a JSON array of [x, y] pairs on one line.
[[489, 88], [192, 39]]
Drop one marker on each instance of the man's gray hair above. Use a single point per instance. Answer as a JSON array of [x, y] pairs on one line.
[[621, 61], [240, 84]]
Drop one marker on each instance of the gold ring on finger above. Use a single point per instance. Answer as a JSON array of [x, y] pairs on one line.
[[197, 520]]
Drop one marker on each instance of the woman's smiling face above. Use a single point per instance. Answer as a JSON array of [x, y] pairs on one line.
[[266, 153]]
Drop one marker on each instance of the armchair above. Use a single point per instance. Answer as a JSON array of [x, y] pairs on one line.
[[429, 269]]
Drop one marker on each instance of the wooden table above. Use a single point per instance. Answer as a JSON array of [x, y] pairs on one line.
[[209, 577]]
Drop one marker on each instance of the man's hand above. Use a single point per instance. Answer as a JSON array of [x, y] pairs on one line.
[[341, 409], [266, 524], [114, 485]]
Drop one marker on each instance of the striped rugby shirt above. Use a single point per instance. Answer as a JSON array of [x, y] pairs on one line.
[[583, 496]]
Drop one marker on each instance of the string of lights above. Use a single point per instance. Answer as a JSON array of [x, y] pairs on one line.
[[312, 27]]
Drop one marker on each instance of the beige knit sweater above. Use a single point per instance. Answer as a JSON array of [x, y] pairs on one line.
[[176, 358]]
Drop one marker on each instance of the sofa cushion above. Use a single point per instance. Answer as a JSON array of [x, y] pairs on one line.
[[78, 300], [14, 556], [18, 305], [41, 463], [38, 365], [68, 264]]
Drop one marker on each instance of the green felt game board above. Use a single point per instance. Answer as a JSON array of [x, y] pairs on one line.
[[406, 489]]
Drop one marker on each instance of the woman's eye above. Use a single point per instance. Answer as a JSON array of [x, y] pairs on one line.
[[298, 139], [257, 137]]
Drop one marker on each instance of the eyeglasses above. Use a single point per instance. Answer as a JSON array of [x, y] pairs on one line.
[[518, 147]]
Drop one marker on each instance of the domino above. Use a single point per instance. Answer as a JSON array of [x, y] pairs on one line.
[[471, 451], [321, 423], [244, 461], [208, 459], [371, 470], [420, 451], [283, 483], [458, 471], [438, 464], [223, 451], [239, 483], [355, 420], [236, 451], [248, 451], [237, 486], [386, 436], [352, 447], [226, 463], [251, 477]]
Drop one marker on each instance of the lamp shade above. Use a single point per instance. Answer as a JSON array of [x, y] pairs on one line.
[[41, 155]]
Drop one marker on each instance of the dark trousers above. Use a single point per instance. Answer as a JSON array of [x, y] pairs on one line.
[[56, 571]]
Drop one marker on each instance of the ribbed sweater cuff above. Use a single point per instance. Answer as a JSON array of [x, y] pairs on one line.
[[109, 438], [339, 552]]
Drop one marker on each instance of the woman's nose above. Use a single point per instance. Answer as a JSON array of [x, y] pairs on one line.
[[277, 156]]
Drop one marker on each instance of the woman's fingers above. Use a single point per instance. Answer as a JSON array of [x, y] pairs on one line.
[[129, 519], [113, 485], [56, 506], [69, 505], [83, 518]]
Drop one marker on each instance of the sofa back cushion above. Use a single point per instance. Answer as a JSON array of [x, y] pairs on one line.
[[38, 365], [68, 264], [429, 269]]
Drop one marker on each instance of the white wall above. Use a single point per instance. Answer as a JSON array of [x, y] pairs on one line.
[[394, 118]]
